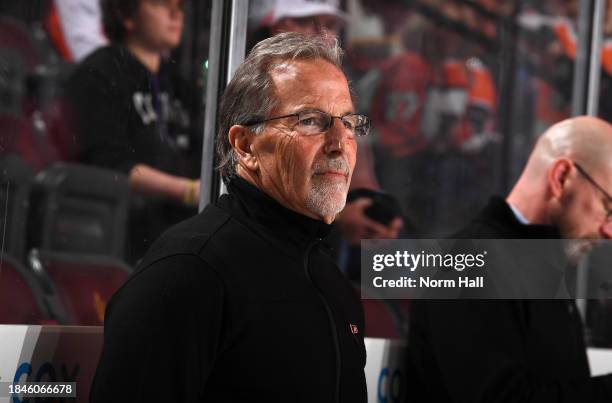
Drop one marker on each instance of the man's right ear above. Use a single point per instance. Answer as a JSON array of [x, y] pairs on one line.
[[558, 176], [241, 139]]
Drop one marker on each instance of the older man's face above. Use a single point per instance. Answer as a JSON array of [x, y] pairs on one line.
[[309, 174]]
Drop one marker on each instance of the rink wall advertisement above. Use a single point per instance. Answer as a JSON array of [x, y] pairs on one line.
[[65, 355], [69, 354]]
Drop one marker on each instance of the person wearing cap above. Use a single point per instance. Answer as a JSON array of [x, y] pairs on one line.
[[309, 17]]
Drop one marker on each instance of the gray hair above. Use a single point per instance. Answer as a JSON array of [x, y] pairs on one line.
[[250, 94]]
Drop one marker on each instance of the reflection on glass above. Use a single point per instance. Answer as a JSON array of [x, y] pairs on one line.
[[88, 111], [457, 91], [434, 78]]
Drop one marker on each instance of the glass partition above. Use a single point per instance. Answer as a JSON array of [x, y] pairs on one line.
[[458, 92], [100, 147]]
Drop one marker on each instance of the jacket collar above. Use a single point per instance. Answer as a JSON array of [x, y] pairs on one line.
[[550, 258], [257, 206], [498, 213]]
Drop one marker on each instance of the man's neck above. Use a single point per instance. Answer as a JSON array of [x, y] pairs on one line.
[[150, 59], [528, 209], [519, 216], [254, 180]]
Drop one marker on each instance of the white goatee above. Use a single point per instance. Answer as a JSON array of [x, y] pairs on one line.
[[327, 196]]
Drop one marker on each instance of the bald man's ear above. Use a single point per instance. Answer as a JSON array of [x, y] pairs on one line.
[[241, 138], [558, 176]]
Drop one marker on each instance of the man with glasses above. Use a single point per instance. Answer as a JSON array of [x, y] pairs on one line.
[[357, 221], [525, 350], [244, 302]]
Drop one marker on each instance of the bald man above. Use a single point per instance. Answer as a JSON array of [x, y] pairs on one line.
[[568, 180], [523, 350]]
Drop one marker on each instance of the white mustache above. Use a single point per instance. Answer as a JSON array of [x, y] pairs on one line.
[[339, 165]]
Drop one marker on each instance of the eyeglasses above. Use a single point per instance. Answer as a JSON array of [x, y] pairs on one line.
[[311, 122], [597, 186]]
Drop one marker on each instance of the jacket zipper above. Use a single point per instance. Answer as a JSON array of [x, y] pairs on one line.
[[330, 317]]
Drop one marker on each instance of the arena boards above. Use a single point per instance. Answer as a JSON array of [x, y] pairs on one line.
[[66, 354]]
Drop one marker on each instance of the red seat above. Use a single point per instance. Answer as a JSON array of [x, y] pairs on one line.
[[385, 318], [15, 184], [83, 284], [78, 209], [15, 35], [379, 321], [16, 138], [20, 298]]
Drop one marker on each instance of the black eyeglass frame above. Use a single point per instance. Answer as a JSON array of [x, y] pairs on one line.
[[593, 182], [329, 124]]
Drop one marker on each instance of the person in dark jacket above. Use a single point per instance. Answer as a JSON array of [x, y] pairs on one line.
[[524, 350], [244, 302], [130, 115]]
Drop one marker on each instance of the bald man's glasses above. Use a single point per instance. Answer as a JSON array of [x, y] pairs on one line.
[[311, 122], [590, 179]]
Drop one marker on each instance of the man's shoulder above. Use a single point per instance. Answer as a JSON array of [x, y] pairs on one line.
[[176, 254], [213, 232], [190, 236], [111, 66], [102, 60], [483, 229], [495, 221]]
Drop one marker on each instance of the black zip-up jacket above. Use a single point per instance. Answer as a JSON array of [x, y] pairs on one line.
[[473, 351], [241, 303]]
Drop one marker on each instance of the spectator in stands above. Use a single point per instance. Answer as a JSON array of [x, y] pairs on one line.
[[76, 28], [131, 118], [243, 302], [310, 17], [434, 103], [524, 350], [398, 104]]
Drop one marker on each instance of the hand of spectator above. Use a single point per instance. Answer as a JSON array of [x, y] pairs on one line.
[[150, 181], [356, 225]]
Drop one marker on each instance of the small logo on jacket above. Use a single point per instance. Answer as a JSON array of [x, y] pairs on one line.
[[354, 328]]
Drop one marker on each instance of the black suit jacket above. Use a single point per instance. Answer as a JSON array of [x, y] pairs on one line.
[[501, 350]]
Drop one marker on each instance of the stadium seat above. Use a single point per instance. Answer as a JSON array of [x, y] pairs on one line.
[[15, 181], [385, 318], [22, 298], [78, 209], [14, 34], [83, 283]]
